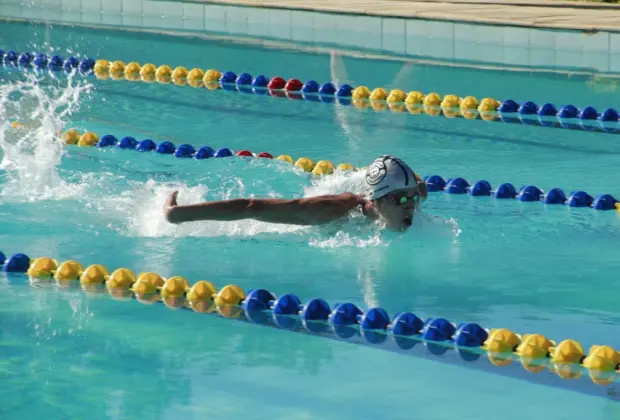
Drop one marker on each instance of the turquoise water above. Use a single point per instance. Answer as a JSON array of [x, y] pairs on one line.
[[526, 267]]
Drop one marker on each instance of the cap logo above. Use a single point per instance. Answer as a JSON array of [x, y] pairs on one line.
[[376, 172]]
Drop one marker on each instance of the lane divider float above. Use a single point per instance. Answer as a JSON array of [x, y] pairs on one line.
[[434, 183], [379, 99], [536, 353]]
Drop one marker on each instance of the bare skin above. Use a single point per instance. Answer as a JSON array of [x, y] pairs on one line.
[[303, 211]]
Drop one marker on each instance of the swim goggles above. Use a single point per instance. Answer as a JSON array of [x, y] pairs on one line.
[[402, 199]]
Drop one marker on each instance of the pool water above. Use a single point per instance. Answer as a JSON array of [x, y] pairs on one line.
[[503, 264]]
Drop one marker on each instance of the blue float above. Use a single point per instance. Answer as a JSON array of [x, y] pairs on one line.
[[228, 77], [185, 151], [588, 113], [373, 324], [258, 300], [16, 263], [438, 329], [204, 152], [288, 304], [528, 108], [405, 324], [87, 65], [344, 314], [11, 58], [315, 309], [435, 183], [1, 54], [244, 79], [457, 186], [344, 91], [530, 193], [260, 81], [508, 107], [609, 115], [506, 190], [310, 86], [146, 145], [480, 189], [127, 143], [604, 202], [223, 152], [70, 64], [568, 111], [374, 319], [555, 196], [41, 61], [107, 141], [547, 110], [327, 89], [25, 59], [580, 199], [470, 335], [56, 62], [2, 256], [165, 148]]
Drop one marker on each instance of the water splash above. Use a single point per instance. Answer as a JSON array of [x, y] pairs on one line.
[[31, 117], [143, 208], [337, 183]]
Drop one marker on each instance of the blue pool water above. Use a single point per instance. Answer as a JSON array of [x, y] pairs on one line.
[[503, 264]]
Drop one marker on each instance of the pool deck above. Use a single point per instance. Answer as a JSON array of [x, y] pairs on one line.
[[589, 17]]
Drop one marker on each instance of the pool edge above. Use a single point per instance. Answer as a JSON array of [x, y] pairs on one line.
[[375, 10]]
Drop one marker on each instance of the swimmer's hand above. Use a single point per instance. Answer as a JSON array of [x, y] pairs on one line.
[[170, 202], [300, 211]]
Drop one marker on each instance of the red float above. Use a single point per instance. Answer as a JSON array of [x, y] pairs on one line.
[[293, 85], [276, 83], [244, 153], [265, 155]]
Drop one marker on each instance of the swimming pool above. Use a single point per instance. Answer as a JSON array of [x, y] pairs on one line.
[[501, 263]]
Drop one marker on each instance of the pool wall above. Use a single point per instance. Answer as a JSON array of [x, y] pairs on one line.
[[423, 39]]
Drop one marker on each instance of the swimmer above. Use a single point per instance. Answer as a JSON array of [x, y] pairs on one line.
[[393, 194]]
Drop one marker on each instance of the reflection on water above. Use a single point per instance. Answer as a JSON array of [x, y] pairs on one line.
[[129, 359]]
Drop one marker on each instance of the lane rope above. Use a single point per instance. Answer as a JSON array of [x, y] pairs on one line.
[[379, 99], [434, 183], [535, 352]]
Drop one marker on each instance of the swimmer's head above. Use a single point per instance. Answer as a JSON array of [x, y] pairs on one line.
[[394, 189]]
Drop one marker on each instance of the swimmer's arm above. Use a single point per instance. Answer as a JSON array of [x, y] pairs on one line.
[[302, 211]]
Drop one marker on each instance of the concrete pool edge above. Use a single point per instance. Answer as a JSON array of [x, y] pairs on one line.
[[544, 14], [591, 73], [419, 38]]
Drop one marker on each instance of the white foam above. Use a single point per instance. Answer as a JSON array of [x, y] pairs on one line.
[[144, 208], [30, 155], [337, 183]]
